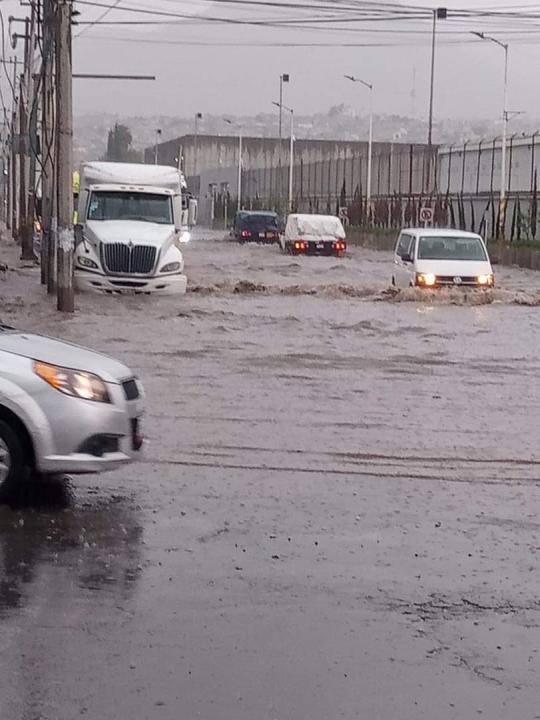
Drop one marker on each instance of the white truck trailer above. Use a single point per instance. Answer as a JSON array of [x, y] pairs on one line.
[[132, 220]]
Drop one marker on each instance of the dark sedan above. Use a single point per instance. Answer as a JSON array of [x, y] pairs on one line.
[[260, 226]]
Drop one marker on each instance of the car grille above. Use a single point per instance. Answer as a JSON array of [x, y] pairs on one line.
[[131, 389], [451, 280], [121, 258]]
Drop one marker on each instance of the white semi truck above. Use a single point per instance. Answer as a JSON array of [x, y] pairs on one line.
[[132, 220]]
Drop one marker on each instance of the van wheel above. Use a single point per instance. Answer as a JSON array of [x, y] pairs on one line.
[[11, 455]]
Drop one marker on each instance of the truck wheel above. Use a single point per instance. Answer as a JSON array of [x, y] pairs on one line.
[[11, 455]]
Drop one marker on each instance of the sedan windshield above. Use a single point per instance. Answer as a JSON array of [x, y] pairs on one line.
[[451, 248], [262, 221], [147, 207]]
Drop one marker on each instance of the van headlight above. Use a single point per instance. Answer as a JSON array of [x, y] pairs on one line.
[[171, 267], [485, 279], [77, 383], [426, 279]]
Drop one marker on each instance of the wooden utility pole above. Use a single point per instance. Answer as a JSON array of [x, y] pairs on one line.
[[48, 151], [64, 157], [14, 177], [28, 121], [21, 142]]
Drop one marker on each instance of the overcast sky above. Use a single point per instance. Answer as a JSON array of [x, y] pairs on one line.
[[243, 76]]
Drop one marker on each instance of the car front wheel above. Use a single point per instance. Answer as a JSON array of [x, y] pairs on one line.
[[11, 455]]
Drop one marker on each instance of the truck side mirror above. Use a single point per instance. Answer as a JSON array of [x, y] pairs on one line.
[[78, 232], [192, 212]]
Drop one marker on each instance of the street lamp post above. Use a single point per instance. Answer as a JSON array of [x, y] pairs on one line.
[[438, 14], [240, 142], [198, 116], [158, 137], [354, 79], [291, 152], [282, 79], [502, 201]]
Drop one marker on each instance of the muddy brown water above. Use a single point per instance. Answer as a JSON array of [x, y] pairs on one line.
[[336, 515]]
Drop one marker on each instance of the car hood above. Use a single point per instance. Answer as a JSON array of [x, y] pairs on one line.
[[57, 352], [126, 231], [454, 268]]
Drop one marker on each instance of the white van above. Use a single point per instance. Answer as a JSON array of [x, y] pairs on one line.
[[434, 258]]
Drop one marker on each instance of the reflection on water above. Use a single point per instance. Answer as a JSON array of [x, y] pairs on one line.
[[94, 542]]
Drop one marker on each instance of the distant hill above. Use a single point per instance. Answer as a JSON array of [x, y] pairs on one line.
[[339, 123]]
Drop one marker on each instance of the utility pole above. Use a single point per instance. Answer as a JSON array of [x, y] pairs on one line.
[[48, 145], [64, 157], [29, 140]]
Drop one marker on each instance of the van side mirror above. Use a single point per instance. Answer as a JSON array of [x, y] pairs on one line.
[[192, 212], [407, 258]]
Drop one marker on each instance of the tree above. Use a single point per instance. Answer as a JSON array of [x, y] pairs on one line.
[[119, 145]]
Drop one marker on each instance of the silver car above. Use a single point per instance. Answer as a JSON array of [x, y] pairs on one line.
[[64, 409]]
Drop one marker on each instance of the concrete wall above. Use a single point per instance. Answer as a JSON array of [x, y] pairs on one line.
[[320, 166], [476, 168]]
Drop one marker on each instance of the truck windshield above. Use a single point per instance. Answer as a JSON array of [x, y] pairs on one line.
[[116, 205]]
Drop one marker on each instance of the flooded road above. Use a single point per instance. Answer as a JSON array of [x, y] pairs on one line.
[[336, 516]]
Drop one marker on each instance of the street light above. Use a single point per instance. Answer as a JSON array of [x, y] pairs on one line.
[[505, 114], [158, 137], [237, 125], [291, 151], [370, 141]]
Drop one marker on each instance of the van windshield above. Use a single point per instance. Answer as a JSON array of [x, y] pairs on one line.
[[451, 248], [116, 205]]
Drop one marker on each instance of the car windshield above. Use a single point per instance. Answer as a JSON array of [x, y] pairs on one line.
[[147, 207], [451, 248], [266, 220]]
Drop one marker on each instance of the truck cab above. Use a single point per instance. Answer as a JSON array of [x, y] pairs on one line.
[[132, 220]]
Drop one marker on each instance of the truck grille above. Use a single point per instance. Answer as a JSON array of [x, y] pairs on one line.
[[125, 259]]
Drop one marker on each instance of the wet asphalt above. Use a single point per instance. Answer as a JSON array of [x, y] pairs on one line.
[[336, 515]]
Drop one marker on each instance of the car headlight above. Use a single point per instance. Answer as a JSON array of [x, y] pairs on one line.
[[171, 267], [185, 236], [426, 279], [77, 383], [87, 262], [485, 279]]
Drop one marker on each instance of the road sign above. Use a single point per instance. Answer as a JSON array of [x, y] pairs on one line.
[[426, 215]]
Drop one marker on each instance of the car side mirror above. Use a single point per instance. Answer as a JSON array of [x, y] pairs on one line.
[[407, 258], [494, 259]]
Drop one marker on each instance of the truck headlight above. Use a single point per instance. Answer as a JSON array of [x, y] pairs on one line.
[[87, 262], [171, 267], [77, 383]]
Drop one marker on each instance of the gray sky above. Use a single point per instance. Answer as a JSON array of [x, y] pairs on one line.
[[239, 79]]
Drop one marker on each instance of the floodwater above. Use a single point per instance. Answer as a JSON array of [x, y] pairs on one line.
[[336, 515]]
